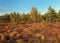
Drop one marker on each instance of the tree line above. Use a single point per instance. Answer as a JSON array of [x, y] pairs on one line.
[[34, 16]]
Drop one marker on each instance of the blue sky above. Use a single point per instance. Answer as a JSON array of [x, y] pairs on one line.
[[7, 6]]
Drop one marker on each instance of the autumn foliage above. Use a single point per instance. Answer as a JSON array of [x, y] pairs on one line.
[[31, 27]]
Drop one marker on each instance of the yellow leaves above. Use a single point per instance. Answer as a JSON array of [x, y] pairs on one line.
[[19, 41], [22, 16], [8, 31], [42, 37], [29, 32], [12, 33], [33, 14], [13, 19], [2, 36], [39, 35]]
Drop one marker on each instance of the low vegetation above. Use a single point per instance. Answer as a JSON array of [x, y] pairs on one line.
[[32, 27]]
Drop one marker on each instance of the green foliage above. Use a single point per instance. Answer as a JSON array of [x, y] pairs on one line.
[[27, 17], [22, 17], [33, 16]]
